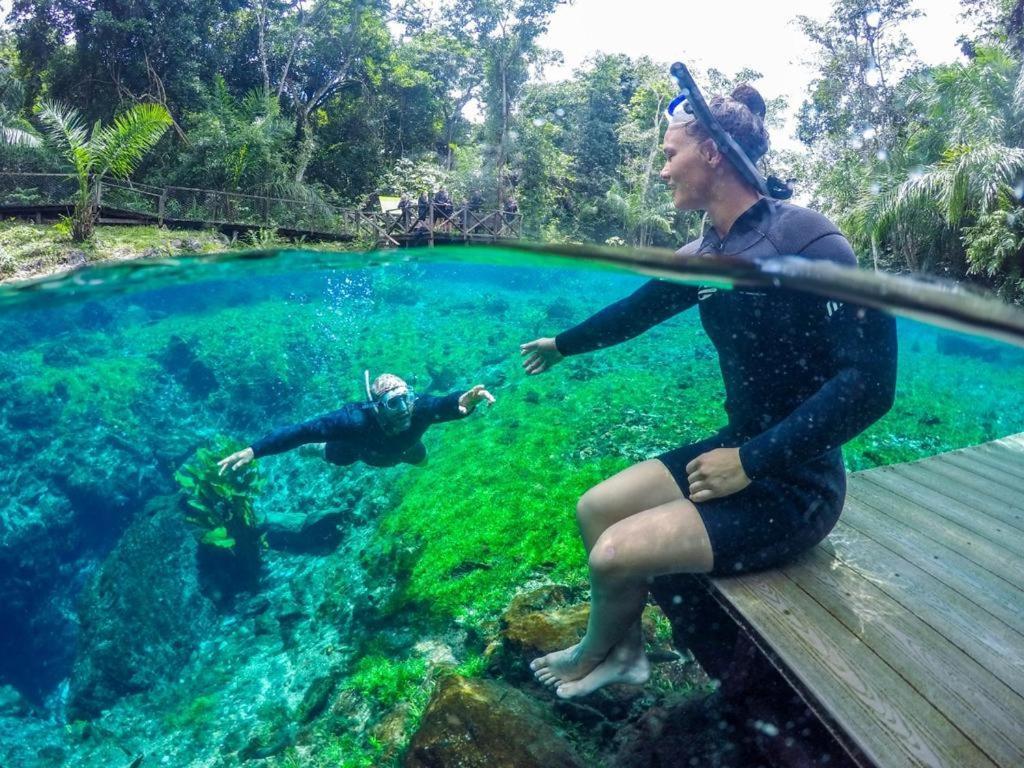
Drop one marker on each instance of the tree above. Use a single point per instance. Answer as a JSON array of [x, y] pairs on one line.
[[113, 149]]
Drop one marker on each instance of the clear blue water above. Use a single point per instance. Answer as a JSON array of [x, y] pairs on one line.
[[110, 381]]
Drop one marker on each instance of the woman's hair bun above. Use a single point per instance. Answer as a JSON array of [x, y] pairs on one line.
[[748, 96]]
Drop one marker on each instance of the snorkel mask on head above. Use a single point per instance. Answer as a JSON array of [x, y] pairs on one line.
[[692, 103]]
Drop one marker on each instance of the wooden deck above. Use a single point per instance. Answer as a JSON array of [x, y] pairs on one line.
[[904, 630]]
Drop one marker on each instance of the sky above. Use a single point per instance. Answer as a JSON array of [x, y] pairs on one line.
[[728, 35]]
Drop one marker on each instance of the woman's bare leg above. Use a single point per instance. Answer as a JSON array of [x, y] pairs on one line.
[[642, 486], [669, 538]]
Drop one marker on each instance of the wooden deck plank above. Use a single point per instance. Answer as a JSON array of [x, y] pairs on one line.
[[992, 508], [996, 460], [889, 721], [1004, 454], [957, 512], [953, 487], [993, 644], [983, 552], [998, 597], [965, 481], [985, 709], [995, 475]]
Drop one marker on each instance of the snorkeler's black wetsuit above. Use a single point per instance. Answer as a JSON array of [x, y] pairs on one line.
[[803, 375], [353, 433]]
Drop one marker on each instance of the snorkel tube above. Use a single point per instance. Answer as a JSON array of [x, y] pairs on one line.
[[693, 102]]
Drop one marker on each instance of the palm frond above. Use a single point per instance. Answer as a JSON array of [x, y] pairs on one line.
[[64, 126], [119, 146], [19, 137]]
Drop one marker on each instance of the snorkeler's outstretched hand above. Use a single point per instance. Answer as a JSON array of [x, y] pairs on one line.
[[236, 460], [469, 400], [715, 474], [540, 355]]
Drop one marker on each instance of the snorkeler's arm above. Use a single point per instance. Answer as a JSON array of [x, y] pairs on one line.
[[863, 345], [337, 425], [652, 303], [434, 409]]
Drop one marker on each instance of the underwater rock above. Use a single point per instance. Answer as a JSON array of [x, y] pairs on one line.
[[560, 311], [684, 730], [488, 724], [25, 412], [317, 533], [315, 699], [39, 542], [537, 622], [180, 360], [141, 614], [959, 346], [94, 316], [441, 379], [12, 704]]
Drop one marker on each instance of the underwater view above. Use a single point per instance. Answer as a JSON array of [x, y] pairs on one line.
[[309, 608]]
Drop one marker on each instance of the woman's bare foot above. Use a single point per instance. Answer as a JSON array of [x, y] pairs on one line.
[[626, 663], [564, 666]]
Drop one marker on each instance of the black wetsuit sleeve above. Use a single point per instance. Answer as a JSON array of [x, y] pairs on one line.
[[862, 344], [652, 303], [334, 426], [432, 409]]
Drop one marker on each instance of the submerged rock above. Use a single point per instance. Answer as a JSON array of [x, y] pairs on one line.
[[537, 622], [488, 724], [142, 613]]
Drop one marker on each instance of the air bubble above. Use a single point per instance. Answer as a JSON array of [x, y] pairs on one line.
[[873, 18], [882, 155], [538, 122], [872, 76]]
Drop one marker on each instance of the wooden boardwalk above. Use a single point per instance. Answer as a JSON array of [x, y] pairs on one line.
[[50, 195], [904, 630]]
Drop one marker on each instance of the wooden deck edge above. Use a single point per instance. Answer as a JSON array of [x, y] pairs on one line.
[[755, 685]]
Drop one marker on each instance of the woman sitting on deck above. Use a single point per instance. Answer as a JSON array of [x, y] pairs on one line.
[[802, 376]]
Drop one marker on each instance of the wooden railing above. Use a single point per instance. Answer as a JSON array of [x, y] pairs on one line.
[[43, 193]]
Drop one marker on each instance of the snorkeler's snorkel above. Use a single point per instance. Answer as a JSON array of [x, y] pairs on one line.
[[693, 102]]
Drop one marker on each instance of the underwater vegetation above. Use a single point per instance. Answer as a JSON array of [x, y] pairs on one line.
[[221, 506], [356, 594]]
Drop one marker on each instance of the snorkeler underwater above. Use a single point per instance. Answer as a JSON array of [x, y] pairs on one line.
[[745, 489]]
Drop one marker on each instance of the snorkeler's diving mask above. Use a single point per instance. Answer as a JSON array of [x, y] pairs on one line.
[[389, 393], [692, 103]]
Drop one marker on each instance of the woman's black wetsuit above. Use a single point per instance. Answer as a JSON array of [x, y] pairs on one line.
[[803, 375], [353, 433]]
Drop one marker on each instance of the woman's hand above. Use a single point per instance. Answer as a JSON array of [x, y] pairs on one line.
[[469, 400], [541, 355], [715, 474], [236, 460]]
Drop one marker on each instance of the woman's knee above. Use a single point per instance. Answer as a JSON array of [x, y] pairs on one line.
[[608, 560], [590, 509]]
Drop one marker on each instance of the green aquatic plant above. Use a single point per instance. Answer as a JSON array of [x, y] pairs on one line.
[[219, 505]]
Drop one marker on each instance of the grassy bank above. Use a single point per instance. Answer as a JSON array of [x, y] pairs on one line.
[[35, 250]]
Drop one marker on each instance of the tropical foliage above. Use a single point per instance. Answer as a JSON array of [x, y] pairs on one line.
[[114, 150]]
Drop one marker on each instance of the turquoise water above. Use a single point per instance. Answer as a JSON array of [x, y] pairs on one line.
[[369, 584]]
